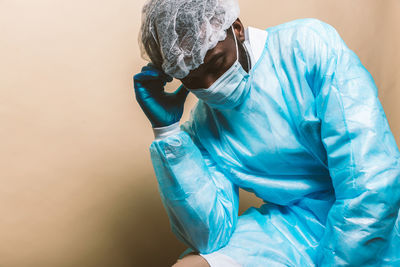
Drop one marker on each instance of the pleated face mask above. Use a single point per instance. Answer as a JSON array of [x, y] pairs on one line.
[[228, 90]]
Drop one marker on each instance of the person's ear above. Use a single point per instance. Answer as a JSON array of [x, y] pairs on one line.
[[239, 30]]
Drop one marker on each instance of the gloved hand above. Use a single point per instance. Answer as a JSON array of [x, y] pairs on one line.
[[160, 107]]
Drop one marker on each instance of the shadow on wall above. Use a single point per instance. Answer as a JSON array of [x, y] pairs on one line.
[[140, 229]]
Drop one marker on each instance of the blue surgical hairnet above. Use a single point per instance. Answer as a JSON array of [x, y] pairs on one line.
[[176, 34]]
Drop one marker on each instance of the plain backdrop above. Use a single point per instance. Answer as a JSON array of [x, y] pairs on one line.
[[76, 183]]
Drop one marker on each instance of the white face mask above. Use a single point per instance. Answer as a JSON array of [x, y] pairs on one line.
[[229, 89]]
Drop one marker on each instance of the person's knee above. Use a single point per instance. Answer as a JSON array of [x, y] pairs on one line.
[[191, 260]]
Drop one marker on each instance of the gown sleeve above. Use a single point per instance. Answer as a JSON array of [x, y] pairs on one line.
[[201, 202], [363, 158]]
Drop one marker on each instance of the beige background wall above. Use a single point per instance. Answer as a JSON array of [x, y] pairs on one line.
[[76, 183]]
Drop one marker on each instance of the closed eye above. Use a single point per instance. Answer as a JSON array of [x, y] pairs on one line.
[[215, 64]]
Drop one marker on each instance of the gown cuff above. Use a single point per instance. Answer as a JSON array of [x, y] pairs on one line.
[[217, 259], [163, 132]]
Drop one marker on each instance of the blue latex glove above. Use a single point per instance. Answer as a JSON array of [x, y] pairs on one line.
[[160, 107]]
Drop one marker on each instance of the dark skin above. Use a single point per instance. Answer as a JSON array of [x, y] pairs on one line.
[[218, 60]]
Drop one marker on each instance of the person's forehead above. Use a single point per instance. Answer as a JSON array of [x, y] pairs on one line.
[[221, 47]]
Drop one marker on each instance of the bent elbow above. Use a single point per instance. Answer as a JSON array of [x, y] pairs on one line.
[[208, 239]]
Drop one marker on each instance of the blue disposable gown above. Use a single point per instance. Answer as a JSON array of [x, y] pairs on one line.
[[311, 139]]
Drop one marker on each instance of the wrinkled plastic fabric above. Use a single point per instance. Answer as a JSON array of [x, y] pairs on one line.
[[176, 34], [311, 139]]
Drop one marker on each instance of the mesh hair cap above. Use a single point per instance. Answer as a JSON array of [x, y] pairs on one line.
[[176, 34]]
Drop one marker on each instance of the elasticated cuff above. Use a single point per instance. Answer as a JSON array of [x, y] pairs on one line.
[[163, 132]]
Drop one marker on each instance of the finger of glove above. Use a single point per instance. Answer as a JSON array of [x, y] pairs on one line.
[[148, 75], [142, 87], [181, 93], [149, 90], [155, 88], [147, 101], [150, 66], [148, 80], [162, 75], [151, 82], [152, 109], [143, 93]]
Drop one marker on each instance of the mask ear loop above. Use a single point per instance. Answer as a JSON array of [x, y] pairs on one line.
[[237, 49]]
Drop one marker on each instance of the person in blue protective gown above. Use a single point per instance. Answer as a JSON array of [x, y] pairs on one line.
[[288, 113]]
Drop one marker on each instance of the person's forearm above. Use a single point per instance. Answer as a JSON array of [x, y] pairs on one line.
[[202, 214]]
